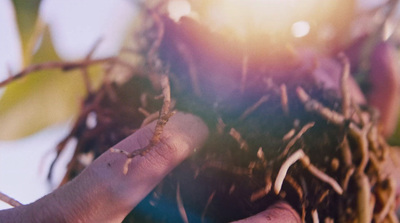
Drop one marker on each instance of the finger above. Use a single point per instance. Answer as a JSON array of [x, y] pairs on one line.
[[102, 193], [280, 212], [181, 135]]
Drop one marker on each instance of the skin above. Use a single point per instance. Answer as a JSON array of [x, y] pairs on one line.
[[102, 193]]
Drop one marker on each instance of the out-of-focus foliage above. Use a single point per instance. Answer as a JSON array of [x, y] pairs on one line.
[[41, 98]]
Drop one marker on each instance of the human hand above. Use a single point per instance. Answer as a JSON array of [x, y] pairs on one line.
[[102, 193]]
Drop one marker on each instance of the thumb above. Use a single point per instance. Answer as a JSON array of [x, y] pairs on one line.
[[280, 212]]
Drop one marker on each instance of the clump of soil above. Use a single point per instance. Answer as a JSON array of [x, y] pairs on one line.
[[277, 132]]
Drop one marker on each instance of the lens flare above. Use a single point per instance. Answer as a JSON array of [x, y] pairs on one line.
[[300, 29], [178, 8]]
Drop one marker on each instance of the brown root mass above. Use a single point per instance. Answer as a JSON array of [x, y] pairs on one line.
[[272, 138]]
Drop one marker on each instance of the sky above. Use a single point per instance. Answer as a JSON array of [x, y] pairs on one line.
[[24, 164]]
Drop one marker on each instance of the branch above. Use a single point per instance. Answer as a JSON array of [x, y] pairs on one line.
[[64, 66], [9, 200]]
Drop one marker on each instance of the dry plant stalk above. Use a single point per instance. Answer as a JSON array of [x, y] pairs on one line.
[[163, 118], [11, 201]]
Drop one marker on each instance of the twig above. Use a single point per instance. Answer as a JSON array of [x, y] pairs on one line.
[[85, 73], [297, 137], [65, 66], [9, 200], [285, 167], [164, 116], [252, 108], [344, 85], [284, 99], [161, 30], [242, 143]]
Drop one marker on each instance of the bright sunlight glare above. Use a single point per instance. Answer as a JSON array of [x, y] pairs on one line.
[[278, 19], [300, 29], [178, 8]]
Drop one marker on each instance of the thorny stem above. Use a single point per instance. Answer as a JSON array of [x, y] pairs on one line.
[[9, 200], [163, 118]]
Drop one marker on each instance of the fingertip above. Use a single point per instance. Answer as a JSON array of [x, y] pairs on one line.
[[280, 212]]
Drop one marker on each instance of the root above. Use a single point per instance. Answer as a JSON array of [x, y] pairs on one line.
[[315, 106], [314, 215], [297, 137], [210, 198], [242, 143], [285, 167], [9, 200], [284, 99], [305, 160], [364, 210], [254, 107], [179, 202], [163, 118], [389, 203], [344, 85]]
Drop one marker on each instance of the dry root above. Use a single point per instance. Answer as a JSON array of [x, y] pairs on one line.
[[163, 118], [9, 200]]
